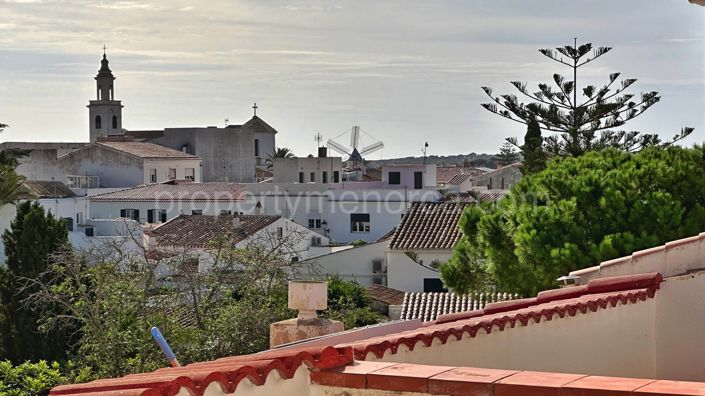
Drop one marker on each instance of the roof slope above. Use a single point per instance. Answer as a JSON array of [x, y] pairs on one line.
[[429, 226], [603, 293], [258, 125], [599, 294], [386, 294], [147, 150], [459, 179], [428, 306], [227, 372], [198, 231], [47, 189], [177, 191]]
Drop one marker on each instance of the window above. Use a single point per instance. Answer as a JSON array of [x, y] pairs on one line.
[[133, 214], [256, 147], [190, 174], [336, 176], [360, 222], [152, 175], [502, 183], [69, 223], [197, 212], [418, 180], [226, 212], [79, 218], [114, 122], [172, 174], [301, 177], [394, 177], [312, 177], [324, 177], [97, 122], [156, 216], [489, 186], [280, 232], [314, 223]]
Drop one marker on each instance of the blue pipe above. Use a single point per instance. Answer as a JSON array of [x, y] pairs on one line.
[[166, 349]]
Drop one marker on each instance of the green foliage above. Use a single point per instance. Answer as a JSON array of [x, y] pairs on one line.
[[10, 185], [581, 123], [349, 303], [33, 237], [579, 212], [358, 242], [29, 379], [279, 152], [534, 157], [507, 155]]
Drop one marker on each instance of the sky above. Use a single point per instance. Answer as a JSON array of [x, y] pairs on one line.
[[407, 72]]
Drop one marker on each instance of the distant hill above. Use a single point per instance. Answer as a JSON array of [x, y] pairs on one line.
[[472, 159]]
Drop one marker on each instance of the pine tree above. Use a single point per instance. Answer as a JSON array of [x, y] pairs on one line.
[[507, 155], [586, 125], [534, 157], [30, 241]]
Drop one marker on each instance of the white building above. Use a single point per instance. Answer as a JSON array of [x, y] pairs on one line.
[[322, 170], [366, 264], [159, 203], [84, 233], [195, 235], [425, 238]]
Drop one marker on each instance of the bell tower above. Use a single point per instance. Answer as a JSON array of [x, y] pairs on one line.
[[104, 113]]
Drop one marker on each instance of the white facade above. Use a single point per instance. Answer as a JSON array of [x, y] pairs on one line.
[[161, 170], [364, 264], [84, 233], [416, 177], [408, 275], [346, 212], [113, 210], [322, 170]]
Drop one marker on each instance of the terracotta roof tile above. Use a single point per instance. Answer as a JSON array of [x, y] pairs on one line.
[[332, 366], [459, 179], [147, 150], [198, 231], [177, 191], [228, 372], [491, 195], [516, 313], [429, 226], [463, 197], [386, 295], [428, 306]]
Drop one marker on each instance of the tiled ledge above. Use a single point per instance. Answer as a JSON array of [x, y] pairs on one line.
[[469, 381]]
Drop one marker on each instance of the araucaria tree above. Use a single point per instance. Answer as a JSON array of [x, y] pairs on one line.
[[507, 155], [33, 238], [580, 122]]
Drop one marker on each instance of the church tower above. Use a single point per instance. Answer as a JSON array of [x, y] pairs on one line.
[[104, 113]]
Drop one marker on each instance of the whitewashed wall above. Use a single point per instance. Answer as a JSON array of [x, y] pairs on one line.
[[163, 166], [353, 264], [406, 275]]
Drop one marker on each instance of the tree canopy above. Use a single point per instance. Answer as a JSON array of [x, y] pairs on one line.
[[580, 123], [507, 155], [577, 213], [33, 238]]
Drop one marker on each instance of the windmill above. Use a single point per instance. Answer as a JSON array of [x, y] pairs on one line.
[[356, 151]]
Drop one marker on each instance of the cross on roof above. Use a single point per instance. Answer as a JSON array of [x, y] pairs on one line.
[[254, 107], [104, 48]]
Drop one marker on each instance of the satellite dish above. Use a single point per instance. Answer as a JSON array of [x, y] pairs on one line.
[[356, 151]]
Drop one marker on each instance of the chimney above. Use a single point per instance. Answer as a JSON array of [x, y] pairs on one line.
[[307, 297], [322, 152]]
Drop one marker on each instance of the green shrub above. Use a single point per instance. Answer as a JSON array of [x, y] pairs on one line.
[[29, 379]]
